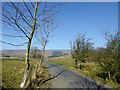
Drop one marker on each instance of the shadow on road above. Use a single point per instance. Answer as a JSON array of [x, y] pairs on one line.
[[52, 77], [90, 85]]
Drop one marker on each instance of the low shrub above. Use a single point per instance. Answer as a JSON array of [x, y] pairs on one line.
[[117, 77], [102, 75], [81, 66]]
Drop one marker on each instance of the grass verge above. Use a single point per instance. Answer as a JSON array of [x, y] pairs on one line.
[[12, 73], [90, 69]]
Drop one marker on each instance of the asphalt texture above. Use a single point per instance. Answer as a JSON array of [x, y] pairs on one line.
[[65, 78]]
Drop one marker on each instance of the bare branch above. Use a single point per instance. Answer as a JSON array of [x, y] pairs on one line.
[[8, 35], [13, 44], [32, 5], [13, 21], [16, 13], [9, 23], [22, 15], [43, 11], [28, 9]]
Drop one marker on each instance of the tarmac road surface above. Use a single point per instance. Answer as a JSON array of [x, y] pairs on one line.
[[65, 78]]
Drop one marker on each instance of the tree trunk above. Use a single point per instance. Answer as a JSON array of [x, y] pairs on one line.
[[27, 65], [39, 64], [109, 76], [27, 61]]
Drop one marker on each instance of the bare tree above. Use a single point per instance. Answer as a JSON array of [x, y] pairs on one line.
[[43, 38], [25, 18]]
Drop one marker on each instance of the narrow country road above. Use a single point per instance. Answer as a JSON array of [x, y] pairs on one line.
[[64, 78]]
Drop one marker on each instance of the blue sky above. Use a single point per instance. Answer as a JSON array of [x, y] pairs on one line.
[[78, 18]]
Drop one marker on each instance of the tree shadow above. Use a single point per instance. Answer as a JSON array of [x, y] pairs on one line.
[[33, 83], [50, 78], [90, 85]]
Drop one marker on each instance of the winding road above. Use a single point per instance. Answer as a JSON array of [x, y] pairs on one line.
[[65, 78]]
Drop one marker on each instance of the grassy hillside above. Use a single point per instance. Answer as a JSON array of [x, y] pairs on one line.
[[89, 69]]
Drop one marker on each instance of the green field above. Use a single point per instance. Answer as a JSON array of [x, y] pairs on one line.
[[90, 69], [12, 73]]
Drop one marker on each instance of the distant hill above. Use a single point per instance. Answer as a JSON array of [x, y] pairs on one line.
[[21, 53]]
